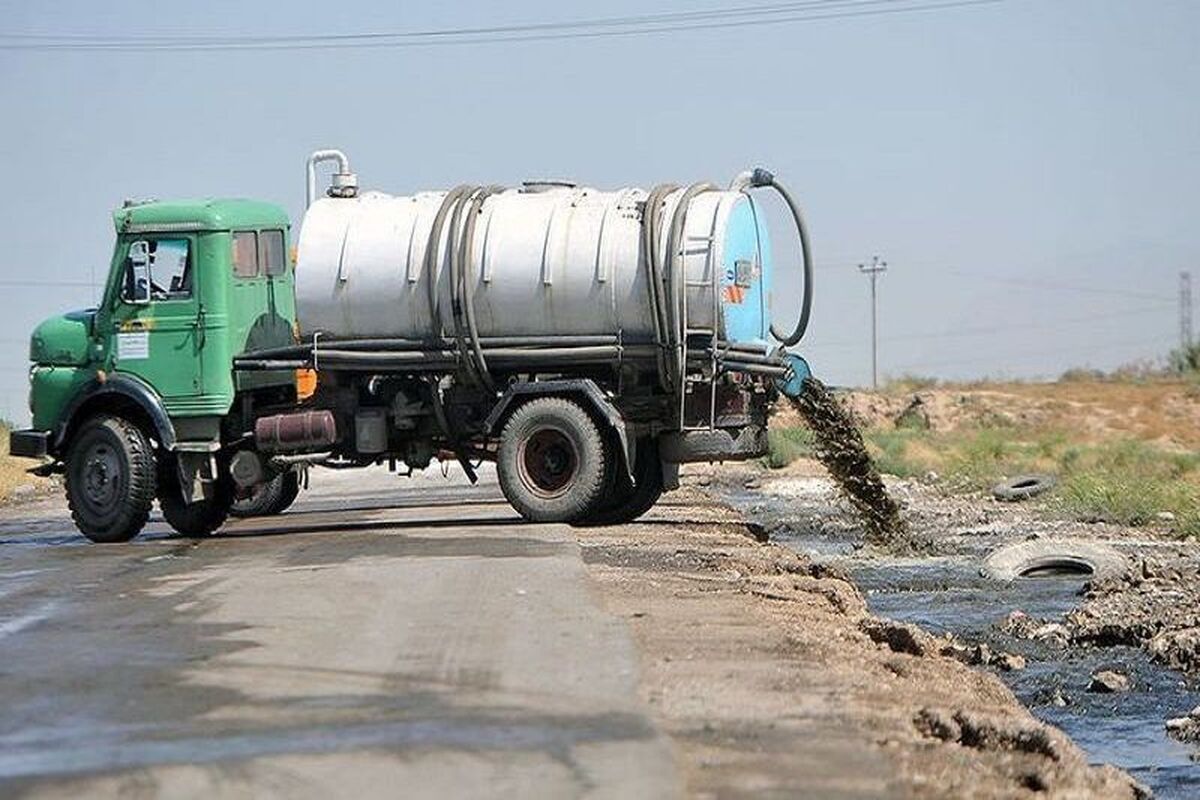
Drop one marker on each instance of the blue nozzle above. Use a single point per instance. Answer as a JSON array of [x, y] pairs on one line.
[[792, 384]]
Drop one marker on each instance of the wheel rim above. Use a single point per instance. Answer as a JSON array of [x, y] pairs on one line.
[[548, 462], [103, 474]]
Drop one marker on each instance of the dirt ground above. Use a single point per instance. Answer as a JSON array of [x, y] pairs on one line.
[[16, 484], [749, 648], [751, 669], [1159, 410]]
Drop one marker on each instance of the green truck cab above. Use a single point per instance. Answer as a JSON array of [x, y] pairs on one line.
[[134, 400]]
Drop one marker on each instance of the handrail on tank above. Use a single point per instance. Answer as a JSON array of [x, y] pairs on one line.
[[756, 178], [344, 181]]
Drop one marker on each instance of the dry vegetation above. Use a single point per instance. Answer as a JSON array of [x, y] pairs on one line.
[[1124, 451], [13, 478]]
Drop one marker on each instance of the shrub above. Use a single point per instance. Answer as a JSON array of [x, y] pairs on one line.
[[786, 445], [1185, 360]]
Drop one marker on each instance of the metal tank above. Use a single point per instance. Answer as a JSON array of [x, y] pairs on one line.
[[546, 259]]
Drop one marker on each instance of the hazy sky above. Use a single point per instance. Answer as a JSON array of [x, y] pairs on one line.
[[1030, 169]]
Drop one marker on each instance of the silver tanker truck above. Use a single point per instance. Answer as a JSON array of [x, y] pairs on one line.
[[588, 342]]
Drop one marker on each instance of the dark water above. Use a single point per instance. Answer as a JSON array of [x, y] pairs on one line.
[[838, 444], [1122, 729], [946, 594]]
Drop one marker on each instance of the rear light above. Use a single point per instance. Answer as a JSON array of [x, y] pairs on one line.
[[306, 383]]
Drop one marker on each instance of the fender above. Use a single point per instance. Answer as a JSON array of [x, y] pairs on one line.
[[124, 388], [582, 388]]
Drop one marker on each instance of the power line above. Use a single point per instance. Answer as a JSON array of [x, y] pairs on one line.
[[783, 13], [1027, 283], [980, 331], [45, 283], [1038, 283], [1072, 352], [766, 9]]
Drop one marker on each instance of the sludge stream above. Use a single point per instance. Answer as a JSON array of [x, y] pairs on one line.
[[904, 579]]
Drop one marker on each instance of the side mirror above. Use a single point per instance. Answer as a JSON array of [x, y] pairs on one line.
[[137, 274]]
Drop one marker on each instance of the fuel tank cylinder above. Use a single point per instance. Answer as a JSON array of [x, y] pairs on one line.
[[545, 259]]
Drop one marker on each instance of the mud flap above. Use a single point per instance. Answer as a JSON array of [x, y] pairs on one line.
[[197, 473]]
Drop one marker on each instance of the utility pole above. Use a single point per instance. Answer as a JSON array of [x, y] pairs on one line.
[[1185, 310], [874, 270]]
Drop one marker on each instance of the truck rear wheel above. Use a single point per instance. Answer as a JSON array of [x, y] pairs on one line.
[[199, 518], [110, 479], [551, 461], [271, 498], [626, 500]]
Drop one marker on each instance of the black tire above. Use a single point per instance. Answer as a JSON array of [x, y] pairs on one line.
[[198, 519], [1023, 487], [552, 461], [625, 501], [273, 497], [110, 479]]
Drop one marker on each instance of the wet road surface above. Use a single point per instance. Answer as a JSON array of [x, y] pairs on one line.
[[376, 639]]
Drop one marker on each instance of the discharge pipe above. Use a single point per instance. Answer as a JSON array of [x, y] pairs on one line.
[[757, 178], [344, 183]]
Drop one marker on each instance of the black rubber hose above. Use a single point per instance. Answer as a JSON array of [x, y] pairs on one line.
[[651, 236], [439, 413], [755, 369], [432, 251], [456, 302], [466, 275], [677, 279], [759, 178], [367, 345], [259, 365]]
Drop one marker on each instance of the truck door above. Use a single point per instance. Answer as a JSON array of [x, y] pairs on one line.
[[157, 317]]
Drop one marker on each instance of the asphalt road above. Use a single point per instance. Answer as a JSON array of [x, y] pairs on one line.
[[385, 637]]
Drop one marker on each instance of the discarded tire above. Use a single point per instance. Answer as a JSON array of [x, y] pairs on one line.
[[1045, 557], [1023, 487]]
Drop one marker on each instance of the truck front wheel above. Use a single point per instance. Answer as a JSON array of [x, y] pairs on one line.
[[551, 461], [110, 479], [202, 516]]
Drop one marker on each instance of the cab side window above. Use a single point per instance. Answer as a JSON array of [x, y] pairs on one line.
[[245, 254], [164, 273], [270, 253]]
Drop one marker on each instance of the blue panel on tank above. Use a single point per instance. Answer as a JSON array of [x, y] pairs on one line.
[[746, 283]]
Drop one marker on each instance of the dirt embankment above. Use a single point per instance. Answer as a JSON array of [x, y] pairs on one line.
[[1163, 411], [1155, 605], [771, 676]]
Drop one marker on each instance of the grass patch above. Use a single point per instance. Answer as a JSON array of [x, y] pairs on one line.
[[908, 383], [786, 445], [1130, 483], [969, 459], [1125, 481]]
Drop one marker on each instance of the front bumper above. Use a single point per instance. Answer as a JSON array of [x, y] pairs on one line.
[[29, 444]]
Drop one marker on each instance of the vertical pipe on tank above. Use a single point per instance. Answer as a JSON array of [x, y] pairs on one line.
[[319, 156]]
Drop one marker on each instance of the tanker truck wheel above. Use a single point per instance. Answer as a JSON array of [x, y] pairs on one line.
[[110, 479], [625, 501], [551, 461], [198, 519], [271, 498]]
